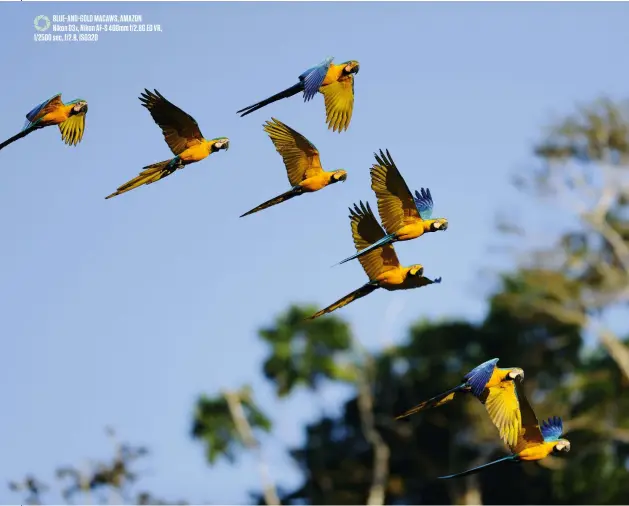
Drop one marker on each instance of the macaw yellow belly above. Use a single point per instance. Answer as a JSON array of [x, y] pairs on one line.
[[55, 117], [411, 230], [334, 72], [316, 183], [195, 153], [537, 452], [392, 279]]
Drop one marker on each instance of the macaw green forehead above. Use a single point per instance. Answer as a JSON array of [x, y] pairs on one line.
[[219, 139], [349, 61], [77, 100]]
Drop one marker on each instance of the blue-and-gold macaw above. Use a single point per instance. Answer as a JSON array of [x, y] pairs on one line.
[[381, 264], [404, 217], [533, 442], [302, 161], [335, 82], [183, 136], [494, 387], [70, 117]]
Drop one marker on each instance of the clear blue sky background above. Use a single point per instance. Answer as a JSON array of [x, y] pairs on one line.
[[121, 312]]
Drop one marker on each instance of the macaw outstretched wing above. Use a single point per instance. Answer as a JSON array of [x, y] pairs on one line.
[[396, 205], [300, 156], [339, 103], [552, 429], [365, 231], [72, 129], [181, 131], [313, 77], [424, 203], [478, 377], [503, 408], [42, 109], [530, 433]]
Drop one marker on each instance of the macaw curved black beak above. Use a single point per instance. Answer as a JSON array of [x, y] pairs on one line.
[[84, 108]]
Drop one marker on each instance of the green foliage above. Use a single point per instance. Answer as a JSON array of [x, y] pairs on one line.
[[592, 134], [337, 460], [213, 423], [304, 352]]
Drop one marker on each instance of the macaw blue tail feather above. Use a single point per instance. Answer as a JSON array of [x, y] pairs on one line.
[[387, 239], [22, 133], [366, 289], [293, 192], [288, 92], [149, 174], [435, 401], [511, 458]]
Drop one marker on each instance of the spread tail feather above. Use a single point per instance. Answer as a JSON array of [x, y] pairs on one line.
[[149, 174], [293, 192], [512, 458], [288, 92], [437, 400], [17, 136], [387, 239], [366, 289]]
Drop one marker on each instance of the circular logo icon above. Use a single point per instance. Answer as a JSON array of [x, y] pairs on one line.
[[42, 23]]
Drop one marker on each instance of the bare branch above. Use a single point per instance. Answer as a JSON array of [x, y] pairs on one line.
[[592, 421], [565, 180], [612, 237], [616, 349], [381, 451], [246, 435]]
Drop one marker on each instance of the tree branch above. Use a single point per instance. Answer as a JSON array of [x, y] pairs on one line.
[[246, 435], [596, 219], [616, 349], [381, 451]]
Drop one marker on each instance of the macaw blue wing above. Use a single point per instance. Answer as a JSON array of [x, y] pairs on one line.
[[423, 202], [35, 111], [313, 77], [478, 377], [552, 429]]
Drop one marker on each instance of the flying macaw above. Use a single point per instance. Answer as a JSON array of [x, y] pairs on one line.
[[335, 82], [381, 264], [404, 217], [534, 442], [70, 117], [494, 387], [302, 162], [183, 136]]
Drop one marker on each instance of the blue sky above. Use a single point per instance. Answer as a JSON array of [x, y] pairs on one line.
[[122, 311]]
